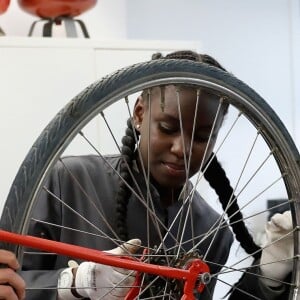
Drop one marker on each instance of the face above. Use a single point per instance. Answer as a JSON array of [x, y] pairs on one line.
[[172, 142]]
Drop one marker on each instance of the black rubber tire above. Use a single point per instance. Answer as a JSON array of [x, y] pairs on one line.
[[73, 116]]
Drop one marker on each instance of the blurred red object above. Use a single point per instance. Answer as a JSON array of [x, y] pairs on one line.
[[58, 12], [51, 9], [4, 5]]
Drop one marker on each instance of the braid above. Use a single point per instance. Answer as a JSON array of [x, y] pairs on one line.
[[122, 197], [215, 174], [190, 55], [217, 179]]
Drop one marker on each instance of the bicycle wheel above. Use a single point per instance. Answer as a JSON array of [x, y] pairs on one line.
[[253, 145]]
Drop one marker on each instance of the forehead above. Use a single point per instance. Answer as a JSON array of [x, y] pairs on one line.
[[185, 101]]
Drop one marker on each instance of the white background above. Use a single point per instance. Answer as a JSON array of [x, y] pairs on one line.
[[258, 41]]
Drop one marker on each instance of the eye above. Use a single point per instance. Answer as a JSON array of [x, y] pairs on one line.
[[167, 128], [201, 139], [204, 137]]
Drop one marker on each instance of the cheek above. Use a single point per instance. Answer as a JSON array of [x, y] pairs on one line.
[[209, 150], [154, 142], [198, 154], [158, 145], [157, 141]]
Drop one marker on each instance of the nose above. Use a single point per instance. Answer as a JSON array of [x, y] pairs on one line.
[[180, 146]]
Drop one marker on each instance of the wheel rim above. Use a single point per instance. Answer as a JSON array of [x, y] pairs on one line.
[[266, 124]]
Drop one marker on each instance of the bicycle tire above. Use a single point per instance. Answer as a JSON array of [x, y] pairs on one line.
[[61, 130]]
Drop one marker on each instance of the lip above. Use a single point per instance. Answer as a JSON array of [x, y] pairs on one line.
[[174, 169]]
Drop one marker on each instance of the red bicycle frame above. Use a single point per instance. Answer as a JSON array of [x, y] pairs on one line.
[[190, 276]]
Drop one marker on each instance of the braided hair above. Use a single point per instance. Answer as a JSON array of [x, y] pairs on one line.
[[190, 55], [217, 179], [214, 174], [123, 194]]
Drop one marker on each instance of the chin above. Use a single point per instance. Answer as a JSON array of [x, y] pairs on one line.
[[172, 184]]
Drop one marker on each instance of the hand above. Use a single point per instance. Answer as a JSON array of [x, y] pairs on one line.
[[12, 286], [99, 281], [278, 228]]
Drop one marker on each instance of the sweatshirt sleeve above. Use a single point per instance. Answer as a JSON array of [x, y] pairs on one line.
[[250, 284]]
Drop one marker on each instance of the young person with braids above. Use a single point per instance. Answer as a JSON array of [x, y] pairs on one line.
[[76, 180]]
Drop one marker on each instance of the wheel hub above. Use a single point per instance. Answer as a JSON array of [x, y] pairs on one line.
[[175, 287]]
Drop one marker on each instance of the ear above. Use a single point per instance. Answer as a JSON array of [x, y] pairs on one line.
[[139, 110]]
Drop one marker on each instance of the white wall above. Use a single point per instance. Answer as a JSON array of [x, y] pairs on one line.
[[256, 40], [295, 66], [39, 76], [106, 21]]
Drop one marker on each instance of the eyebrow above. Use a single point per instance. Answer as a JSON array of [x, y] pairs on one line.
[[175, 119], [172, 118]]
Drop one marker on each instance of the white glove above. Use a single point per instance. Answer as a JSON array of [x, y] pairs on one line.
[[279, 226], [97, 281]]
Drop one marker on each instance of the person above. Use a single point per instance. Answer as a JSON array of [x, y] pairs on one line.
[[12, 286], [116, 189]]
